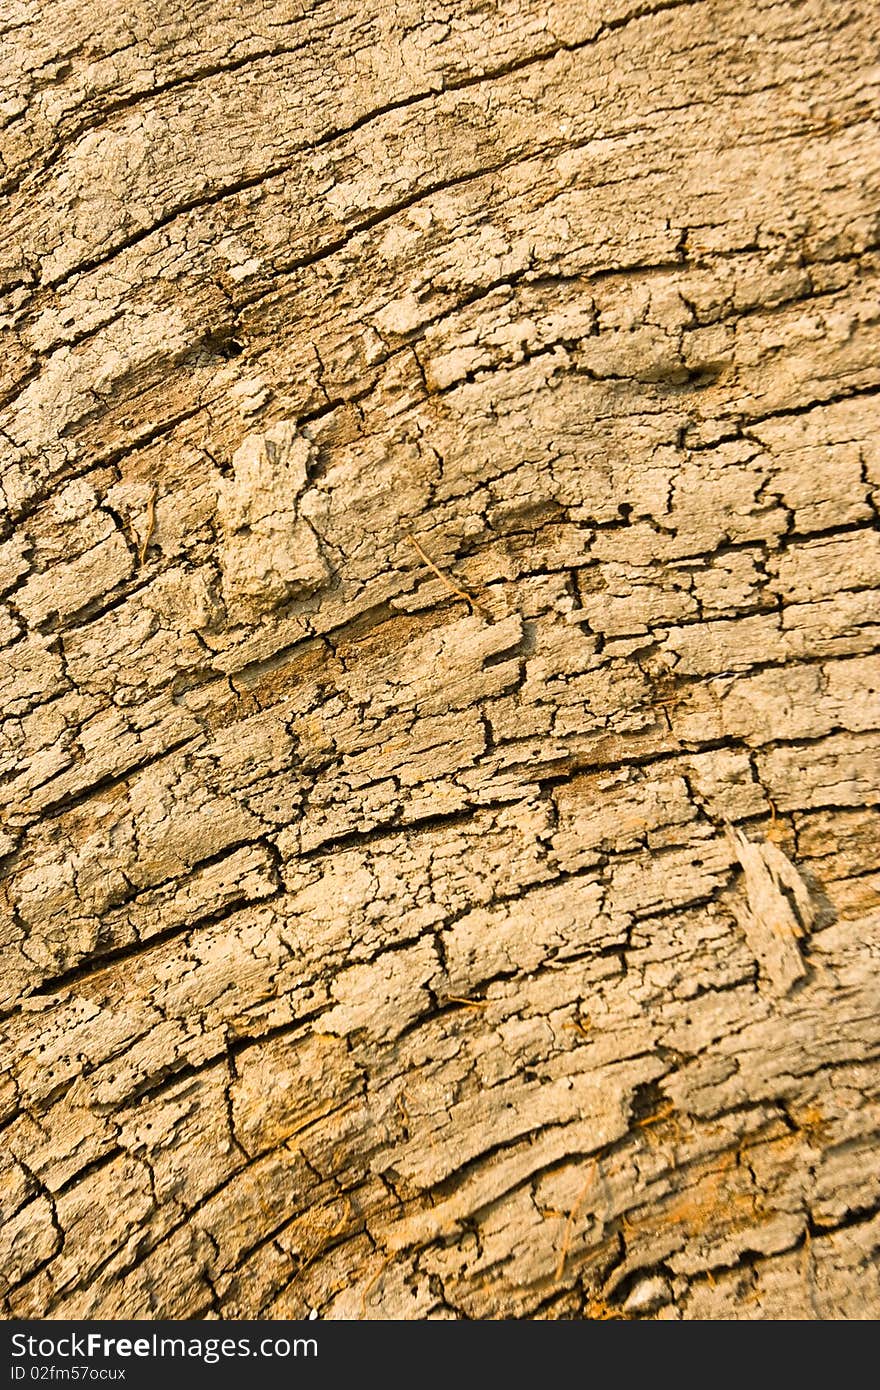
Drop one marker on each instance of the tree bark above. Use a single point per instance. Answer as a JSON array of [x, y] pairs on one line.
[[440, 665]]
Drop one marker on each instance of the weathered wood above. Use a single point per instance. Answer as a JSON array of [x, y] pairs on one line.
[[485, 926]]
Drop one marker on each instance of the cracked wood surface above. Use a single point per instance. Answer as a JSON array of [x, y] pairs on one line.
[[440, 678]]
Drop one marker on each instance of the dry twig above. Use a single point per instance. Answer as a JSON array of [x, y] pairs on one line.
[[150, 526], [449, 582], [572, 1217], [368, 1288]]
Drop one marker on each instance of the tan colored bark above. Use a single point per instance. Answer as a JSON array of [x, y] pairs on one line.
[[488, 926]]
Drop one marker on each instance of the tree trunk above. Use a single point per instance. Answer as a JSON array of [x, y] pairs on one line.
[[439, 663]]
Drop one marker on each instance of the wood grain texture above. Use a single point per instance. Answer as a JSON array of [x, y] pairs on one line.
[[486, 927]]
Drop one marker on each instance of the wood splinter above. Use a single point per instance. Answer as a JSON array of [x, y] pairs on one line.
[[450, 583]]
